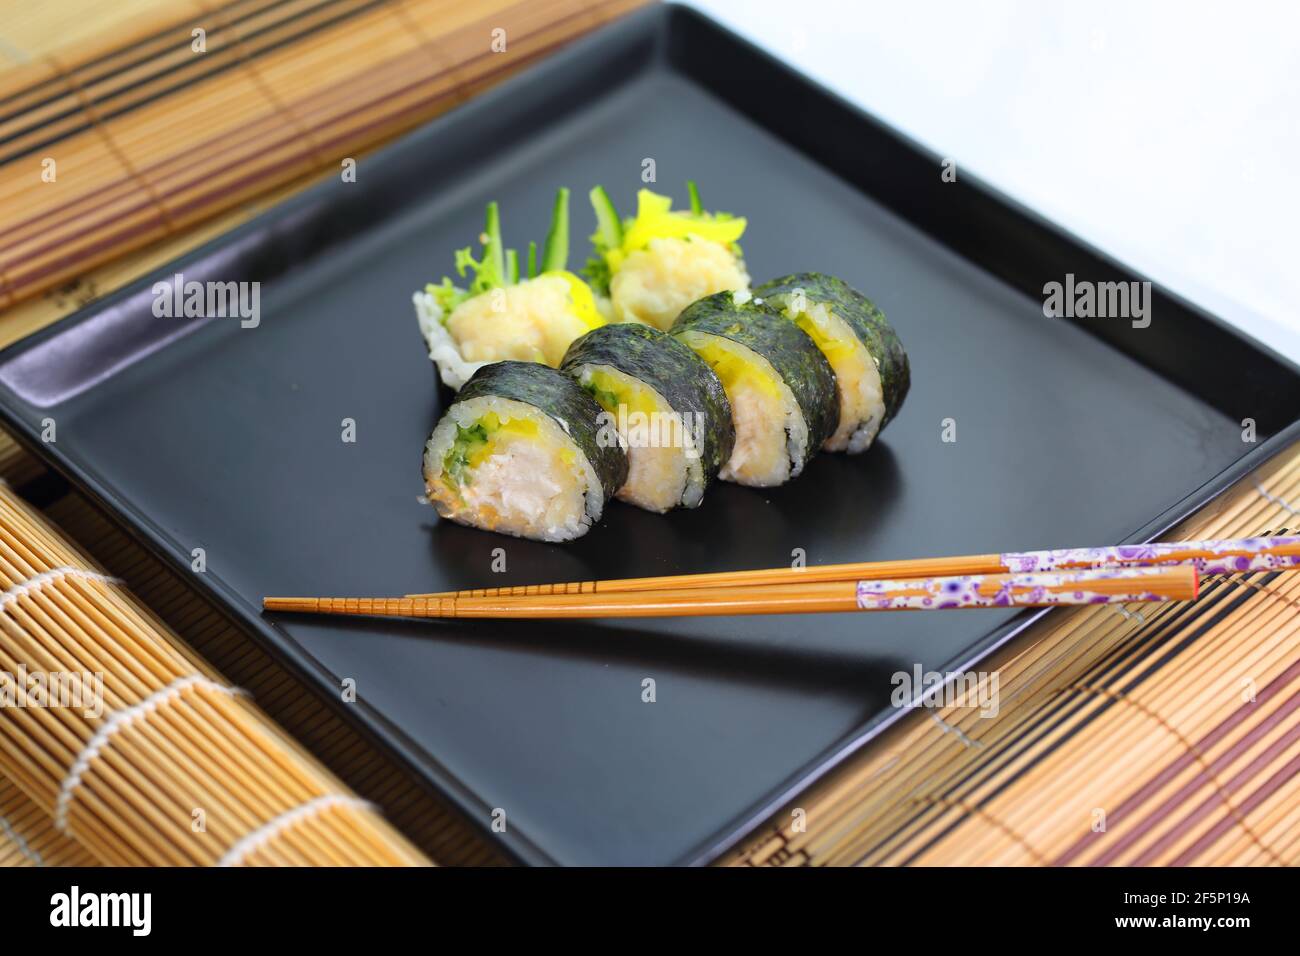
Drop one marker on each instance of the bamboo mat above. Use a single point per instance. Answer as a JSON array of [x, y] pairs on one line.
[[1133, 736], [119, 139], [134, 746]]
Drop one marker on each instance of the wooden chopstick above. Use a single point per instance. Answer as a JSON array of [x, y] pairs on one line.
[[1097, 586], [1231, 556]]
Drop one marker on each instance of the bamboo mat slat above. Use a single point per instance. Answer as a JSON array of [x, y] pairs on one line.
[[1132, 736]]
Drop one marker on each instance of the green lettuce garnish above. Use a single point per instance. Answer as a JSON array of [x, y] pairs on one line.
[[497, 266]]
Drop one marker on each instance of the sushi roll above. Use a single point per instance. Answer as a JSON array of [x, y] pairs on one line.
[[780, 386], [667, 405], [520, 452], [501, 315], [871, 369], [660, 261]]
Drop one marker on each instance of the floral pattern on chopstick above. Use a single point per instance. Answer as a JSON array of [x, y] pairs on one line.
[[1011, 590], [1234, 556]]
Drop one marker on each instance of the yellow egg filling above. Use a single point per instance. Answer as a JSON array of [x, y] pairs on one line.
[[732, 370]]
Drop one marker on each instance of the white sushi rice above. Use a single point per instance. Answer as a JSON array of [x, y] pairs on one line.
[[771, 434], [452, 367], [857, 378], [540, 487], [664, 468]]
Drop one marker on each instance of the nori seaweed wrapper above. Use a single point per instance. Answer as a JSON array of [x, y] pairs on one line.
[[861, 315], [658, 360], [555, 394], [789, 350]]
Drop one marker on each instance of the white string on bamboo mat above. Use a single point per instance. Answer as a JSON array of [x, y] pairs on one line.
[[1274, 500], [36, 582], [115, 722], [278, 824], [956, 731], [17, 839]]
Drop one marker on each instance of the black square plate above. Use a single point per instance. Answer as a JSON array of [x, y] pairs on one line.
[[203, 434]]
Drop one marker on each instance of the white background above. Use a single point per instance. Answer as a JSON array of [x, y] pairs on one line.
[[1166, 133]]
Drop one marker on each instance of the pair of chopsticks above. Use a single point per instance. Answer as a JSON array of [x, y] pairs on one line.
[[1111, 575]]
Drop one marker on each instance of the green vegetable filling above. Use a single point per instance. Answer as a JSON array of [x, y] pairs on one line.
[[469, 443], [605, 399]]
